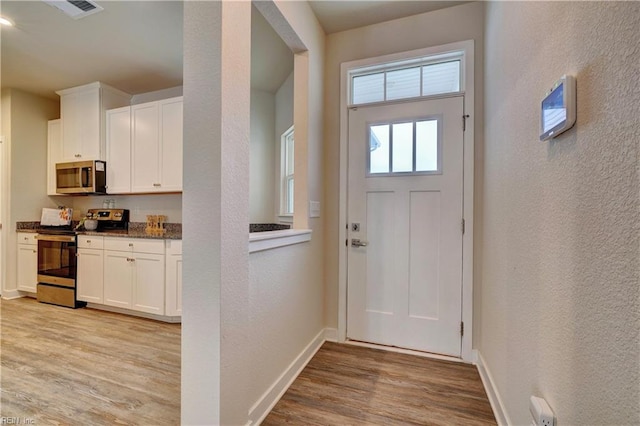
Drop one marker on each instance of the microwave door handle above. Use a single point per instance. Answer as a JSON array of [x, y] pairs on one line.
[[84, 177]]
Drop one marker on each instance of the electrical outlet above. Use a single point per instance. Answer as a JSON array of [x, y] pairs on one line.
[[541, 413]]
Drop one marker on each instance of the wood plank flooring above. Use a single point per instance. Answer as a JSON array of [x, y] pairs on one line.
[[351, 385], [61, 366]]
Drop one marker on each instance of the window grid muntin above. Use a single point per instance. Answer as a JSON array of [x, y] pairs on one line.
[[287, 172], [439, 147]]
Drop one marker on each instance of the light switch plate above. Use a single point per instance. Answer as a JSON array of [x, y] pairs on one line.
[[314, 208]]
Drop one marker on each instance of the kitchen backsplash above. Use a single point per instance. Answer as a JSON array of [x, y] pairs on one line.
[[139, 206]]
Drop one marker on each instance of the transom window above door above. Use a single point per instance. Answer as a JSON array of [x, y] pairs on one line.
[[405, 80], [408, 147]]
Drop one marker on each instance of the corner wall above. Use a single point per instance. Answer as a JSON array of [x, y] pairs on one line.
[[24, 122], [228, 361], [559, 309]]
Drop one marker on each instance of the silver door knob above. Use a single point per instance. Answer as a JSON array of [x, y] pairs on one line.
[[355, 242]]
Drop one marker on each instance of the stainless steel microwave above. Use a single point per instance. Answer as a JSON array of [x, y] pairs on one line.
[[81, 177]]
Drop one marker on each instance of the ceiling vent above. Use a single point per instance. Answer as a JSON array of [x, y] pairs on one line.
[[75, 8]]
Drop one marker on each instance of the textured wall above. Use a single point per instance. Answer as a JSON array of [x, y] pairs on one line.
[[558, 311], [263, 159], [286, 284], [459, 23], [221, 344]]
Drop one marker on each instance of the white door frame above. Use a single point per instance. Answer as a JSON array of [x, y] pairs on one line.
[[467, 47]]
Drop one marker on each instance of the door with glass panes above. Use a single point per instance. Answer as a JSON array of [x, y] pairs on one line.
[[405, 177]]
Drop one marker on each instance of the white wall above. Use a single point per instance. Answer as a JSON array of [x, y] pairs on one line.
[[464, 22], [559, 304], [263, 158], [286, 284], [217, 51], [24, 124], [221, 295]]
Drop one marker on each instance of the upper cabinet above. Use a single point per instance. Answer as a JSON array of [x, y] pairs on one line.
[[119, 150], [83, 120], [144, 147], [156, 146]]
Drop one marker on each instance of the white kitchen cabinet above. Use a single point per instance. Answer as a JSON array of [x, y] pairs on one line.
[[54, 153], [156, 146], [134, 274], [173, 285], [83, 117], [27, 274], [119, 150], [118, 279], [90, 273]]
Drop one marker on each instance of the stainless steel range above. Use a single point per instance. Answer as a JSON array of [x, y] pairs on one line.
[[57, 267], [57, 258]]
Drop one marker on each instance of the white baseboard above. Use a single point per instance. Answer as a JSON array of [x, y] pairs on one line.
[[492, 392], [268, 400], [130, 312], [331, 334], [13, 294]]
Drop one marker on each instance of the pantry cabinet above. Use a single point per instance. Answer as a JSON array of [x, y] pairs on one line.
[[83, 118], [90, 273], [156, 146], [134, 274], [27, 276]]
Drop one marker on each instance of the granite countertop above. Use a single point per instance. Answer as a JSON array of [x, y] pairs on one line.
[[136, 230]]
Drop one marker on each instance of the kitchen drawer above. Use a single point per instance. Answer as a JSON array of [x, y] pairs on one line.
[[29, 238], [174, 247], [138, 245], [90, 242]]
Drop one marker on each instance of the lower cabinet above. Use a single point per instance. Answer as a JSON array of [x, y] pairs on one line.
[[129, 273], [90, 274], [134, 280], [173, 301], [27, 274]]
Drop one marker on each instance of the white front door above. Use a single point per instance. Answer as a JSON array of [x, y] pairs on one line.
[[405, 196]]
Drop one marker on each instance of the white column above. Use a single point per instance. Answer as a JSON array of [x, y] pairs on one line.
[[217, 38]]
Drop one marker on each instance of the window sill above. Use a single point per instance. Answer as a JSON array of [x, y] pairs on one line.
[[260, 241], [285, 218]]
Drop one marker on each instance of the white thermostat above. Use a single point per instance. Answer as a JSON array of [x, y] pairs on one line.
[[558, 108]]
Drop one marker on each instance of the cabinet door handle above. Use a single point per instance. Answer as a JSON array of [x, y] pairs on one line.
[[157, 185], [35, 251], [78, 155], [130, 244]]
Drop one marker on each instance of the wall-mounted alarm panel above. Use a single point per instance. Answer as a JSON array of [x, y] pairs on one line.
[[558, 112]]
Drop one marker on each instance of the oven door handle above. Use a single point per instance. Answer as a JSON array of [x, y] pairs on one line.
[[60, 238]]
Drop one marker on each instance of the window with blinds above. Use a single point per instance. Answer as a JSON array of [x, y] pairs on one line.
[[411, 81]]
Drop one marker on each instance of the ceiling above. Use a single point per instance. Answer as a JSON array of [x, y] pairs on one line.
[[136, 46], [335, 16]]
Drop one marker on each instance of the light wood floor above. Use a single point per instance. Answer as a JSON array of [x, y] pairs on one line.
[[61, 366], [351, 385]]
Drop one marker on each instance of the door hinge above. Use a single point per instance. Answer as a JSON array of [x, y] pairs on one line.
[[464, 122], [463, 225], [346, 242], [461, 328]]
